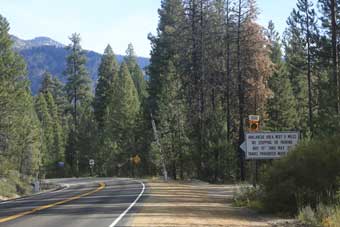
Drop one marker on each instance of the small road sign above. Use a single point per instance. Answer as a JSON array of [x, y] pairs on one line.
[[136, 159], [61, 164], [254, 123], [91, 162], [254, 118], [269, 145]]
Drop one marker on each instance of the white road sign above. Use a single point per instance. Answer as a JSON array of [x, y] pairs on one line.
[[269, 145], [254, 118], [91, 162]]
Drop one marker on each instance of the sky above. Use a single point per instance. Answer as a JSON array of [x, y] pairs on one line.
[[102, 22]]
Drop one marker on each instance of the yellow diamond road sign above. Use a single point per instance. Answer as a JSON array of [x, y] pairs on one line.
[[136, 159]]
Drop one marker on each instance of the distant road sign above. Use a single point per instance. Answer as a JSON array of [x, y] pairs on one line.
[[254, 123], [136, 159], [91, 162], [269, 145], [254, 118], [61, 164]]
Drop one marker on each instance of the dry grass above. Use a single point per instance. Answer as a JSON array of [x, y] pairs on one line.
[[192, 204]]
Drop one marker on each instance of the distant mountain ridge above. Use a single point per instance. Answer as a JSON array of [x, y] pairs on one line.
[[45, 54], [21, 44]]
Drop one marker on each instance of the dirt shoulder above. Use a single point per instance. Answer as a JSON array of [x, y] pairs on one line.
[[194, 204]]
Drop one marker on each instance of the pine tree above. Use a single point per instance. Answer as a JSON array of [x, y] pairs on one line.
[[240, 85], [303, 23], [165, 46], [86, 138], [136, 73], [78, 92], [327, 67], [108, 70], [330, 11], [26, 136], [281, 106], [299, 38], [19, 126], [125, 104], [252, 69], [58, 148], [275, 43], [122, 114], [228, 55], [171, 121], [47, 132], [47, 84], [164, 72]]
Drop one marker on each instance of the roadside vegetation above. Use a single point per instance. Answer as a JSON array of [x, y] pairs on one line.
[[305, 184], [211, 66], [13, 185]]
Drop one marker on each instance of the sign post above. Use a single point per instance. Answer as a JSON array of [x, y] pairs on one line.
[[91, 163]]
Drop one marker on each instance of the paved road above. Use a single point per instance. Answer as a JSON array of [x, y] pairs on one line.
[[84, 202]]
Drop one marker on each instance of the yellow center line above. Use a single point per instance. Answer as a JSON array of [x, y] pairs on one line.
[[15, 216]]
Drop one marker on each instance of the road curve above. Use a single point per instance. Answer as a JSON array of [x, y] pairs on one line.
[[85, 202]]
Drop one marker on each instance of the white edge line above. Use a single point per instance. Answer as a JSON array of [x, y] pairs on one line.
[[131, 205]]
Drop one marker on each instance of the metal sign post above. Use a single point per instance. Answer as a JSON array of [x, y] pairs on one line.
[[91, 163]]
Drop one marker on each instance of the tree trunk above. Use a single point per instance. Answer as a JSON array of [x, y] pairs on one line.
[[335, 55], [240, 94], [310, 107], [228, 76]]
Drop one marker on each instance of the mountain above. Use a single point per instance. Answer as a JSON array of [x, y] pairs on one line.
[[21, 44], [45, 54]]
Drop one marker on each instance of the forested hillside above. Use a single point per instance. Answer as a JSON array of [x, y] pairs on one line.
[[211, 66], [44, 54]]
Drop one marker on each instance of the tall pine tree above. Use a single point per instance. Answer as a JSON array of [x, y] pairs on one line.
[[122, 114], [282, 104], [107, 71], [136, 73], [78, 92], [19, 126]]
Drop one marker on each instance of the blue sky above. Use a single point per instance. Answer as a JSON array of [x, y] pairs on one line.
[[100, 22]]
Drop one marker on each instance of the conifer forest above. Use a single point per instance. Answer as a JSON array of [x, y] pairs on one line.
[[184, 115]]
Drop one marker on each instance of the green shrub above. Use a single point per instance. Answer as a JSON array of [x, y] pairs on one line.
[[14, 184], [322, 216], [308, 175], [7, 189], [334, 219], [248, 196], [308, 216]]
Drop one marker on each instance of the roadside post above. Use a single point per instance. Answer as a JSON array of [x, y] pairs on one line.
[[36, 186], [61, 169], [254, 126], [91, 164]]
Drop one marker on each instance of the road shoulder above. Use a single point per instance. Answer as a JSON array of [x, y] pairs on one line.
[[195, 204]]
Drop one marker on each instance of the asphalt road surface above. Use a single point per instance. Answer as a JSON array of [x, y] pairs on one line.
[[82, 202]]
